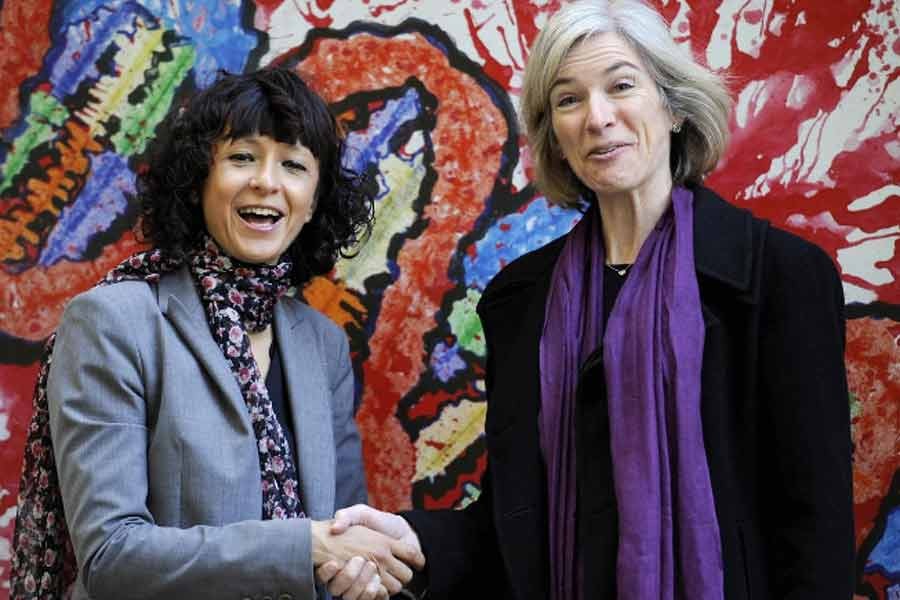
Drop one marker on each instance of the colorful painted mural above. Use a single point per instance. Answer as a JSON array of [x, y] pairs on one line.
[[427, 90]]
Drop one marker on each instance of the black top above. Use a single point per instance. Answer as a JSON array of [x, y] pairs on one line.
[[612, 285], [276, 387]]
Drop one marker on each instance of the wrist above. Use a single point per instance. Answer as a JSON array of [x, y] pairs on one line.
[[319, 534]]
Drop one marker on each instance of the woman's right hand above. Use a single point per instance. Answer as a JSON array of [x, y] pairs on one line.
[[357, 546]]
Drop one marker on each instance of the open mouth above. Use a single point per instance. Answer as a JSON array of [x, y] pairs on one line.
[[605, 151], [260, 216]]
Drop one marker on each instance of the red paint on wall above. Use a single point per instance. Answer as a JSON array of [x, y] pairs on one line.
[[502, 74], [24, 38], [21, 317], [753, 16], [873, 372], [16, 389], [451, 498], [466, 162]]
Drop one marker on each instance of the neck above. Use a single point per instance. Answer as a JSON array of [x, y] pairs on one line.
[[260, 342], [628, 219]]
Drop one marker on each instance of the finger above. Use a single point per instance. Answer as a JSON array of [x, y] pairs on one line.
[[382, 593], [371, 591], [389, 524], [327, 571], [408, 554], [346, 517], [396, 567], [346, 577], [368, 572], [389, 581]]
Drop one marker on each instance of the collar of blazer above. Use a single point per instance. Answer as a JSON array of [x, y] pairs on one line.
[[307, 383], [723, 251]]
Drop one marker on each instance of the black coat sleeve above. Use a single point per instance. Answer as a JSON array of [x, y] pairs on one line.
[[461, 548], [805, 424]]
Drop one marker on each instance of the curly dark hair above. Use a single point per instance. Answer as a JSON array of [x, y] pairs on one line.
[[275, 102]]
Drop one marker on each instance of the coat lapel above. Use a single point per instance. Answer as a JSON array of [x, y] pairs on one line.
[[309, 396], [723, 243], [179, 302], [724, 248]]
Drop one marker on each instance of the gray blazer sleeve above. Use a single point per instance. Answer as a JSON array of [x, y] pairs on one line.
[[99, 423]]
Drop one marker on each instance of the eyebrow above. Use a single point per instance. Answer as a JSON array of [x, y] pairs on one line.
[[254, 140], [610, 69]]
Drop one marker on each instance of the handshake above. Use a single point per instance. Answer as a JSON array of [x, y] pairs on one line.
[[364, 553]]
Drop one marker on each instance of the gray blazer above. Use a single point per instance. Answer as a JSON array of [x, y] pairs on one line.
[[157, 459]]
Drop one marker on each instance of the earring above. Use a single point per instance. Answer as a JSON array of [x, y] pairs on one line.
[[676, 127]]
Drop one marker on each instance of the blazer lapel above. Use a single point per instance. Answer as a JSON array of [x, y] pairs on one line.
[[179, 302], [309, 396]]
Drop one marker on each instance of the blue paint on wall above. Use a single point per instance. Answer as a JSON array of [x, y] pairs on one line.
[[885, 557], [214, 27], [514, 235], [103, 199]]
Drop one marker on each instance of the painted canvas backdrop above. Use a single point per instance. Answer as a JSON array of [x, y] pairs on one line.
[[428, 90]]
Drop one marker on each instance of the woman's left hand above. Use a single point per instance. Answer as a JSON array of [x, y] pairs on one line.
[[357, 580]]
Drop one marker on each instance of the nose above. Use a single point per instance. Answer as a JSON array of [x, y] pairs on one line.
[[264, 180], [602, 112]]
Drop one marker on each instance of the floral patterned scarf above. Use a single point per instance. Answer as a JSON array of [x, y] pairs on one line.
[[238, 298]]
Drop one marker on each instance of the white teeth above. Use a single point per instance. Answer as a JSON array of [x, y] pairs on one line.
[[259, 211]]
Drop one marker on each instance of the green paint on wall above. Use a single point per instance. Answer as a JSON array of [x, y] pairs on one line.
[[466, 325], [139, 121], [855, 406], [45, 114]]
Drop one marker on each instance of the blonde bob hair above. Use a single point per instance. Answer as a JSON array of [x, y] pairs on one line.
[[692, 93]]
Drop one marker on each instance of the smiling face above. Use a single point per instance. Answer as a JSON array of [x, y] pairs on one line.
[[609, 119], [258, 196]]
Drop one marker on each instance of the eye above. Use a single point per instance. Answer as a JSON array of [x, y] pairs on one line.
[[240, 157], [623, 85], [565, 100], [293, 165]]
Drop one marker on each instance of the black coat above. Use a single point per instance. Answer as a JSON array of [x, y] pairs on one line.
[[775, 410]]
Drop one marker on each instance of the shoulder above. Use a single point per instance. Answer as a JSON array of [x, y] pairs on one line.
[[798, 273], [734, 246], [714, 214], [789, 252], [130, 299], [522, 273]]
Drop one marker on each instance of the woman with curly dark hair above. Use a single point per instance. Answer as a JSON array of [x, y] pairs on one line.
[[201, 418]]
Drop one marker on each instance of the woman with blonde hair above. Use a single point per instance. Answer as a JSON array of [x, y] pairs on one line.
[[667, 403]]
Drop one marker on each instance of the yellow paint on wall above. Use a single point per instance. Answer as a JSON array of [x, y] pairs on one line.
[[440, 443]]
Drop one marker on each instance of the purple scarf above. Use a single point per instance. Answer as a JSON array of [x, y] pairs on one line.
[[238, 298], [669, 546]]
